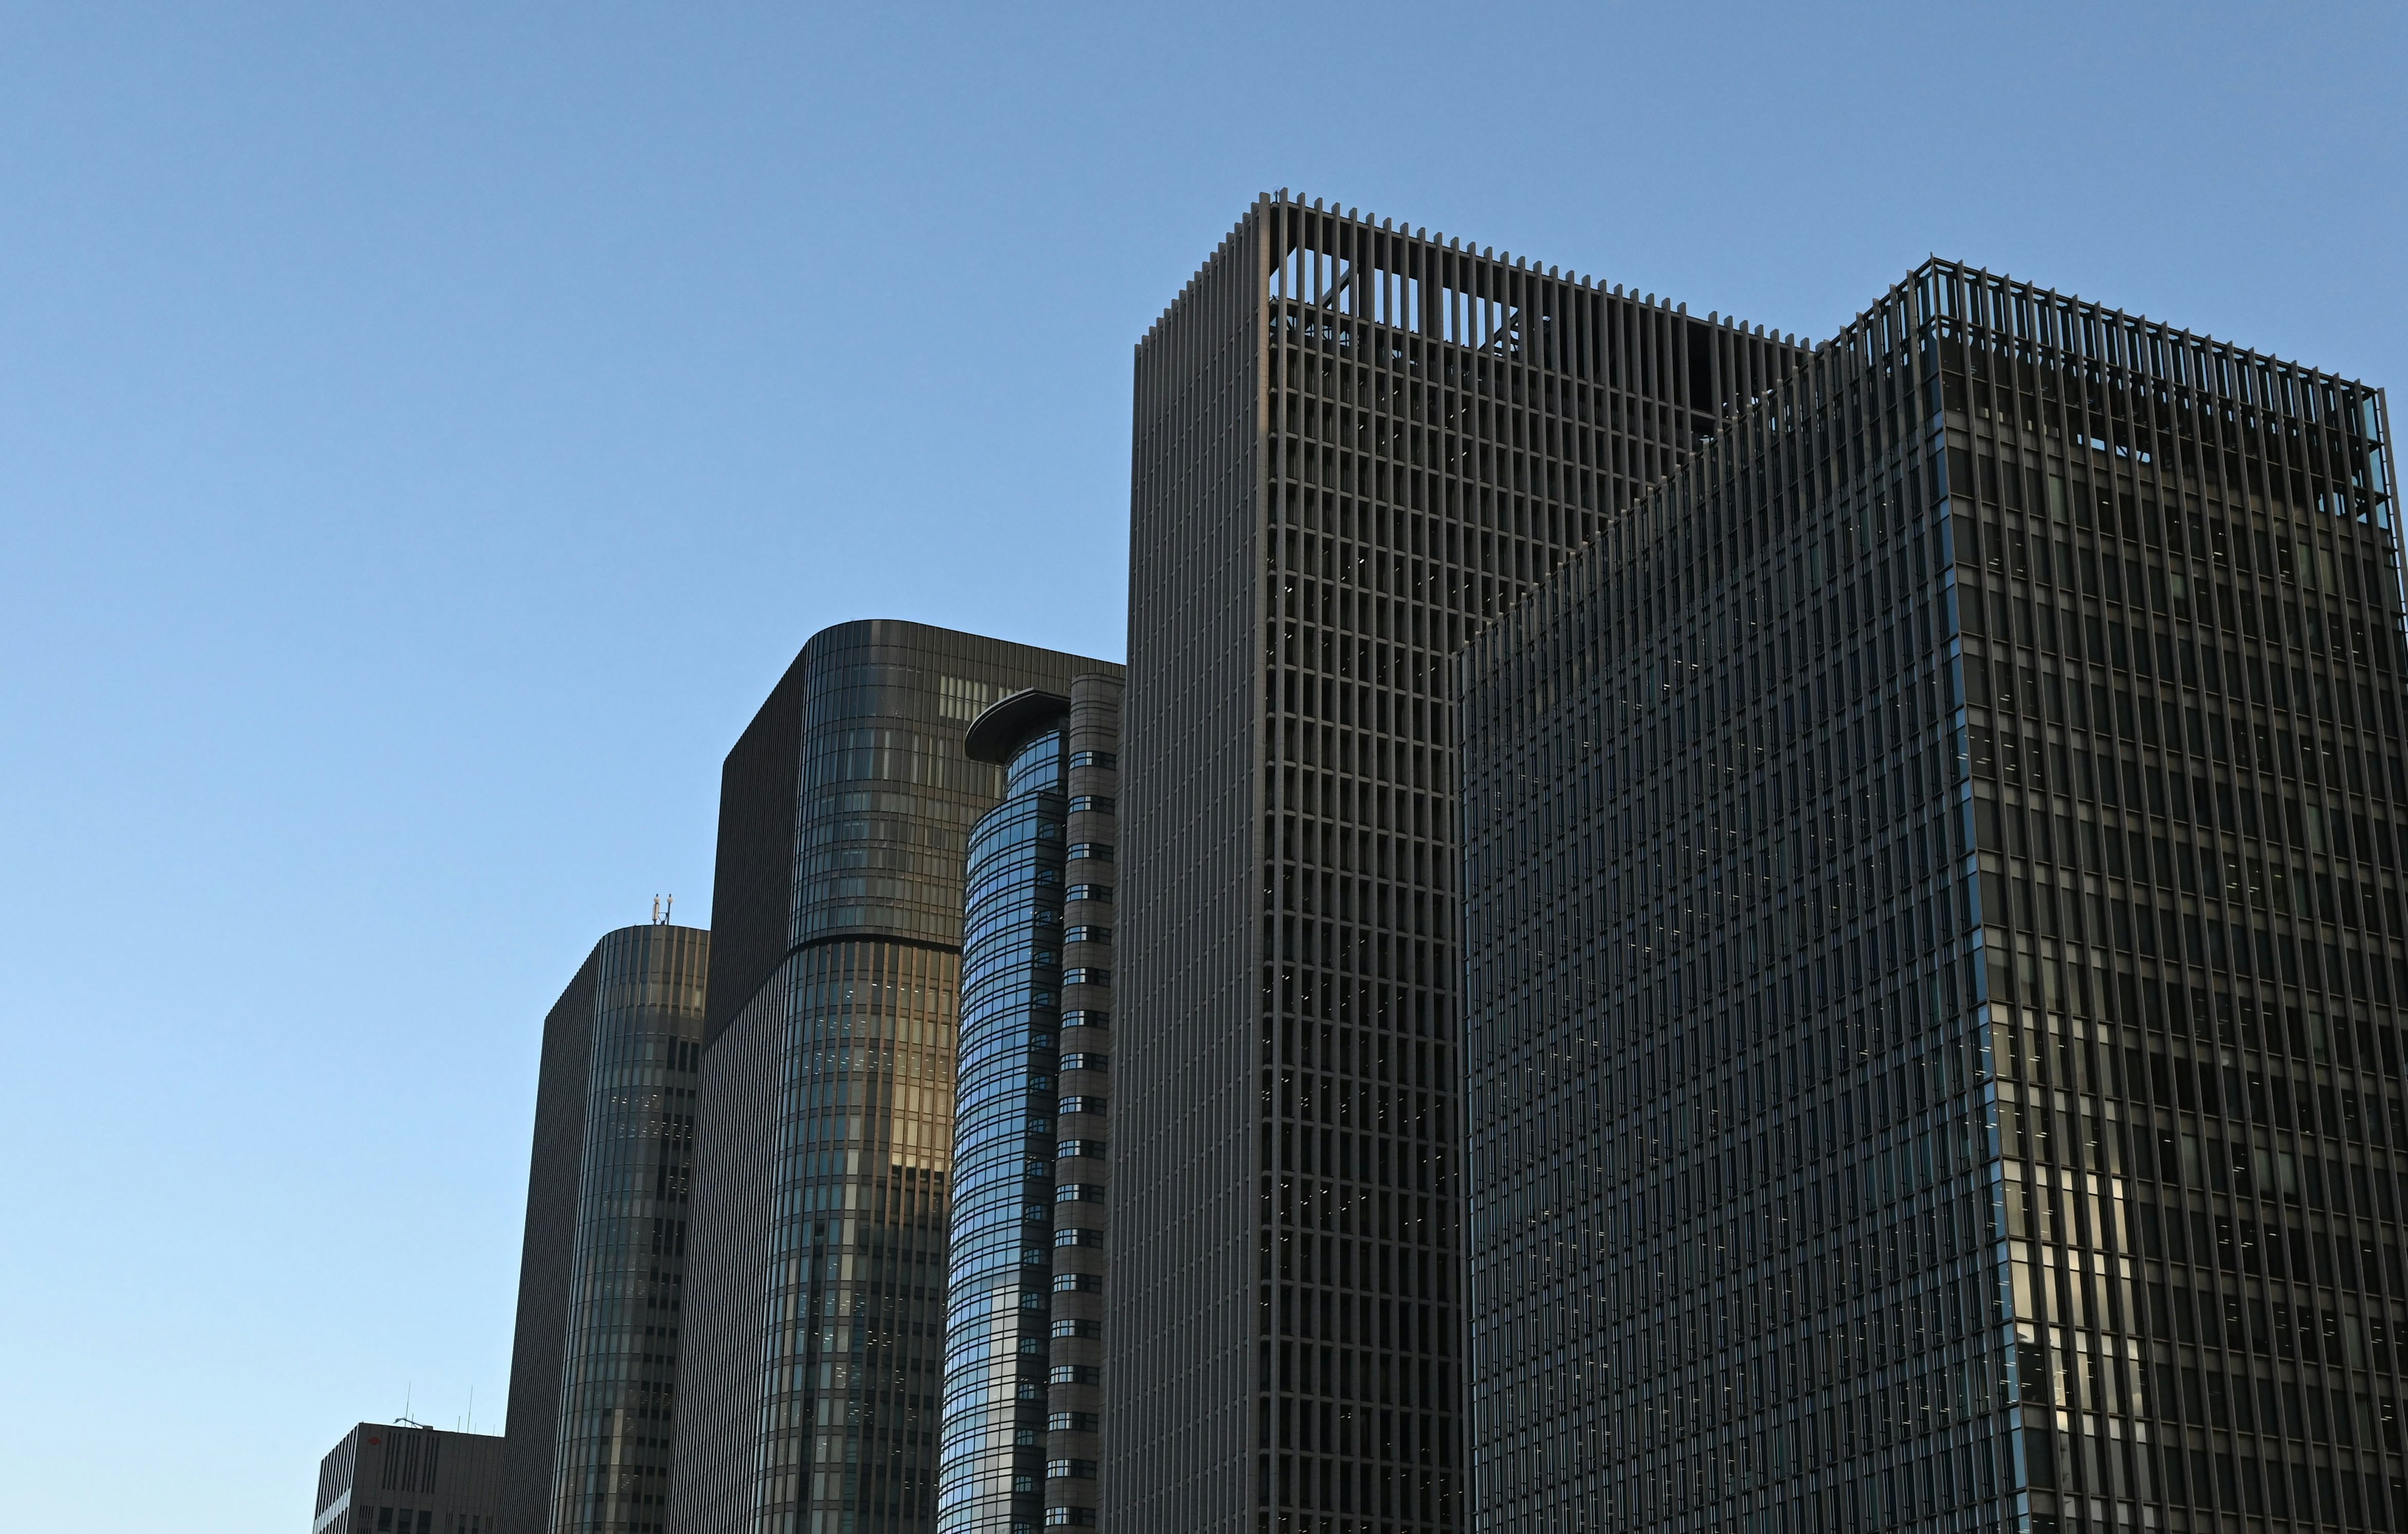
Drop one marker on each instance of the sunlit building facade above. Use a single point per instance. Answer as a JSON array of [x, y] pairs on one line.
[[1933, 937], [812, 1376]]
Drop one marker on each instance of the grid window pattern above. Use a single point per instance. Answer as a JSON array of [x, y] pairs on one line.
[[1354, 444], [391, 1477], [612, 1454], [825, 1252], [1889, 945], [1075, 1398], [715, 1482], [857, 1237], [999, 1303], [1025, 1307]]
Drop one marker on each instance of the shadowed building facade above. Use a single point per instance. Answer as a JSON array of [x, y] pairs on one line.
[[813, 1367], [1353, 444], [601, 1273], [400, 1478], [1934, 953], [1029, 1258]]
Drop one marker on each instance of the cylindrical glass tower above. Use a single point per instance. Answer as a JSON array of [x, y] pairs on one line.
[[993, 1466], [643, 1032]]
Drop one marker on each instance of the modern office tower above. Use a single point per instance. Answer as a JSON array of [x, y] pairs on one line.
[[1354, 445], [813, 1365], [1024, 1308], [402, 1478], [1932, 910], [593, 1363]]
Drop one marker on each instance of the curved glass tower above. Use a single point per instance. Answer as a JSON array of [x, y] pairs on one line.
[[991, 1478], [811, 1373], [602, 1276], [1024, 1333]]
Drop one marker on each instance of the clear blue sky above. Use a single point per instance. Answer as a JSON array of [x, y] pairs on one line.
[[426, 431]]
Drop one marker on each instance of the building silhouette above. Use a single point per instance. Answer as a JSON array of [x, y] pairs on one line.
[[813, 1363], [1354, 444], [601, 1272], [1028, 1259], [1933, 944]]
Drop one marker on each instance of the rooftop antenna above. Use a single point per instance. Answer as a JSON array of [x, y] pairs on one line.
[[662, 906]]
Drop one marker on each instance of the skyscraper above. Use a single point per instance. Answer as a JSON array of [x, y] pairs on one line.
[[1028, 1259], [813, 1361], [594, 1359], [1934, 949], [1355, 443]]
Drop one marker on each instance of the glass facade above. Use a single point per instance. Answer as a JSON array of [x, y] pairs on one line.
[[997, 1322], [858, 1235], [601, 1282], [611, 1462], [825, 1259], [1932, 948], [1354, 444], [1028, 1266]]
